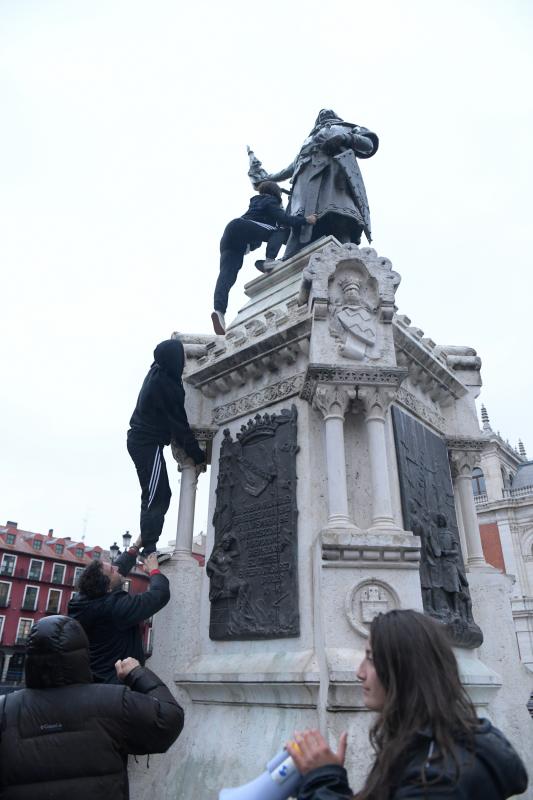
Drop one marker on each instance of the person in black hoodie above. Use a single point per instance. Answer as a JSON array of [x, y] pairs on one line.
[[265, 221], [63, 736], [158, 418], [111, 617], [427, 739]]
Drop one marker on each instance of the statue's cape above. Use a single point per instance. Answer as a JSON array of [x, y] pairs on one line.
[[348, 162]]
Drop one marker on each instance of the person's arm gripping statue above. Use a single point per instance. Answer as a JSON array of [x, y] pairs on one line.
[[129, 609]]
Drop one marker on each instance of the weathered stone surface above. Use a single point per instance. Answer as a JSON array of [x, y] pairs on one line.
[[253, 568]]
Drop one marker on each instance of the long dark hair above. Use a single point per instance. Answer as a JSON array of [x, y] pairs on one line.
[[416, 666]]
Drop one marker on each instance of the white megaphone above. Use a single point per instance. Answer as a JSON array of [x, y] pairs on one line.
[[280, 781]]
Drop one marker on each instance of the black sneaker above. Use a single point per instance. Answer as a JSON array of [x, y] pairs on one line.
[[126, 561], [219, 323]]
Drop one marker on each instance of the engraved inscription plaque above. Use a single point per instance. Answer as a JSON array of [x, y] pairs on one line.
[[253, 568], [429, 511]]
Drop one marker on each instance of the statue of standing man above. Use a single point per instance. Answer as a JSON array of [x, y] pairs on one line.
[[326, 181]]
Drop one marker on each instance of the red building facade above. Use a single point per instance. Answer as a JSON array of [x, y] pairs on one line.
[[38, 575]]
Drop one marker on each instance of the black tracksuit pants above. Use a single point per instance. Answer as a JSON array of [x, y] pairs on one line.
[[155, 497], [238, 235]]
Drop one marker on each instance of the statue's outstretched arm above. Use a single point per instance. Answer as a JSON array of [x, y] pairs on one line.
[[257, 173], [284, 174]]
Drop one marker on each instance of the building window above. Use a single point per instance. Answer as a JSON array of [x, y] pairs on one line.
[[37, 544], [5, 592], [36, 569], [478, 481], [2, 620], [54, 601], [23, 630], [11, 538], [8, 564], [96, 554], [31, 595], [58, 573], [77, 573], [79, 552], [59, 549]]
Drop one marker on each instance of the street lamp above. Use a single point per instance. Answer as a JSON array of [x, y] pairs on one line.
[[126, 539], [114, 550]]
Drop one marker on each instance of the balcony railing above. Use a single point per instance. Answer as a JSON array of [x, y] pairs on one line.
[[21, 639], [4, 603], [480, 499], [28, 606], [523, 491]]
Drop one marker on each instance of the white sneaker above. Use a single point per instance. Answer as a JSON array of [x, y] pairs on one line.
[[219, 323], [269, 264]]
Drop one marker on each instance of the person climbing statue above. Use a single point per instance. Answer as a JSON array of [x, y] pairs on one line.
[[158, 418], [265, 221]]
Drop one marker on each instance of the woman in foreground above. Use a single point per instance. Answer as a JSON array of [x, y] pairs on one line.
[[427, 739]]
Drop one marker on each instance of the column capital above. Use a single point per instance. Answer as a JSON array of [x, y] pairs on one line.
[[183, 460], [332, 401], [374, 401], [463, 460]]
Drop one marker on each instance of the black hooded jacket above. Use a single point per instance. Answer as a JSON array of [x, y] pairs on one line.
[[493, 772], [268, 209], [112, 623], [159, 415], [63, 737]]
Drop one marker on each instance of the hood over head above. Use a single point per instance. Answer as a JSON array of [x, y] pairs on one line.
[[57, 654], [501, 759], [170, 357]]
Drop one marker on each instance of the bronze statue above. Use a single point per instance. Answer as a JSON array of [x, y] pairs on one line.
[[326, 181]]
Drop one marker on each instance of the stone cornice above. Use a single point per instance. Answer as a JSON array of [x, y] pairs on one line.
[[261, 398], [425, 366], [418, 409], [350, 377], [262, 348], [470, 444]]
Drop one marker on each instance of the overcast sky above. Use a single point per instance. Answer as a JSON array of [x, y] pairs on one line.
[[123, 138]]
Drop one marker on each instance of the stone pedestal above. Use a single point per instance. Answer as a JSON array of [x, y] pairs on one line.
[[318, 339]]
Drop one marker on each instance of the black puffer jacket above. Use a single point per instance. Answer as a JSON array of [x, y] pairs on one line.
[[112, 623], [159, 415], [63, 737], [268, 209], [494, 772]]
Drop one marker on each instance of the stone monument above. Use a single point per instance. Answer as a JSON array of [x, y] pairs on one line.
[[342, 442], [326, 181]]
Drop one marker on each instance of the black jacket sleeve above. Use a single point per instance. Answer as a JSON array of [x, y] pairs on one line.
[[325, 783], [153, 719], [174, 407], [277, 214], [129, 609]]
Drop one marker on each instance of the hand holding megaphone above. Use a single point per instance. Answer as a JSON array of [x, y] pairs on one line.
[[279, 781], [283, 775]]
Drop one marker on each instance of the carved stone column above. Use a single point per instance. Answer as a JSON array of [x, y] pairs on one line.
[[462, 463], [187, 503], [376, 401], [332, 402]]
